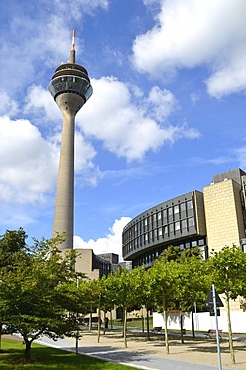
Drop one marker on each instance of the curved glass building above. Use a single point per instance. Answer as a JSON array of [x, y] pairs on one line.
[[209, 219]]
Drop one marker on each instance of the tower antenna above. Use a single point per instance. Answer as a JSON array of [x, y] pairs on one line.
[[72, 51]]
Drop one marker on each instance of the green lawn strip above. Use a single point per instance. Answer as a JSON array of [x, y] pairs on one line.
[[135, 323], [42, 357]]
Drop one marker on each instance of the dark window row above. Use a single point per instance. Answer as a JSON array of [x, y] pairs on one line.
[[176, 215], [148, 258]]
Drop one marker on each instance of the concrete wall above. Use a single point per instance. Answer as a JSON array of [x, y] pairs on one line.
[[84, 263], [203, 321]]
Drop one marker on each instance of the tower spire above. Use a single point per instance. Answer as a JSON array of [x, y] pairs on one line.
[[72, 51]]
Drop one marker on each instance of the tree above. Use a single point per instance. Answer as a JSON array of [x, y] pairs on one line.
[[12, 242], [124, 286], [163, 281], [142, 279], [191, 284], [33, 295], [228, 270]]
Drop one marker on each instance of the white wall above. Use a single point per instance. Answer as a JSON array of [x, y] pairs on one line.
[[203, 321]]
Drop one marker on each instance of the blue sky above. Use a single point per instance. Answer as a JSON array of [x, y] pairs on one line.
[[167, 112]]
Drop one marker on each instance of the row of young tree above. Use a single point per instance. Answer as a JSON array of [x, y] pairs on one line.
[[41, 294]]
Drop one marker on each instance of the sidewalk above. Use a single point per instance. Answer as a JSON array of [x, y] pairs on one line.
[[199, 354]]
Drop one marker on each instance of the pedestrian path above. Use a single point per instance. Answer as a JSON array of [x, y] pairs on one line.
[[135, 359]]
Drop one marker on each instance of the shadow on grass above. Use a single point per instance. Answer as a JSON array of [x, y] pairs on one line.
[[12, 358]]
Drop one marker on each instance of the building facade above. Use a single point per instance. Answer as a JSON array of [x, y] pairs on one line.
[[209, 220], [91, 265]]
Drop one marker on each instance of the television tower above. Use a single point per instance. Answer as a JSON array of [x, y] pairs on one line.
[[70, 88]]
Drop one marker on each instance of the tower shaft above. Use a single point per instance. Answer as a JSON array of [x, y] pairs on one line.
[[64, 205], [70, 88]]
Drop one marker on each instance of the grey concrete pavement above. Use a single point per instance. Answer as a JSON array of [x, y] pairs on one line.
[[136, 359]]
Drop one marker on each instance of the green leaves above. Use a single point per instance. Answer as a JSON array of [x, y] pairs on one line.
[[228, 270]]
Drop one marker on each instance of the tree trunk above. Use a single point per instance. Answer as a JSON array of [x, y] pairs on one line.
[[182, 327], [142, 321], [99, 325], [192, 322], [165, 322], [147, 319], [125, 325], [229, 330], [1, 328], [104, 320], [111, 319], [28, 350], [90, 319]]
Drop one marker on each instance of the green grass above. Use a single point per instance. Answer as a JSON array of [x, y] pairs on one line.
[[135, 323], [44, 358]]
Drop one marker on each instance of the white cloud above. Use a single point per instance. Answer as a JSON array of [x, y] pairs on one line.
[[85, 169], [40, 103], [112, 243], [190, 33], [231, 77], [8, 105], [28, 163], [161, 103], [129, 128]]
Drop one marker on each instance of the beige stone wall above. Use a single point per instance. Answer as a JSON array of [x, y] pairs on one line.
[[199, 212], [84, 263], [223, 211]]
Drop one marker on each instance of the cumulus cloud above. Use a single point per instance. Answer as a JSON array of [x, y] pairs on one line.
[[39, 103], [85, 169], [112, 243], [190, 33], [129, 128], [28, 163], [8, 105]]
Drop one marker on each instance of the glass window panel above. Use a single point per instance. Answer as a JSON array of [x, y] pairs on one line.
[[182, 207], [170, 211], [184, 224], [194, 244], [191, 221], [171, 228], [177, 226], [165, 230], [160, 231], [189, 204], [159, 216], [176, 209], [154, 217], [165, 213]]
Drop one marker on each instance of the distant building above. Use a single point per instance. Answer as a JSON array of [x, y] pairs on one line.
[[91, 265], [209, 220]]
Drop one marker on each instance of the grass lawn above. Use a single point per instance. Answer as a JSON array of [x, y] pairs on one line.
[[12, 358], [135, 323]]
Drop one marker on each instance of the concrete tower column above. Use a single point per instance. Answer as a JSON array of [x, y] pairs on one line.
[[70, 88]]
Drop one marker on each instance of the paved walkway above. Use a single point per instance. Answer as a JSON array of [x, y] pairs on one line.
[[136, 359]]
